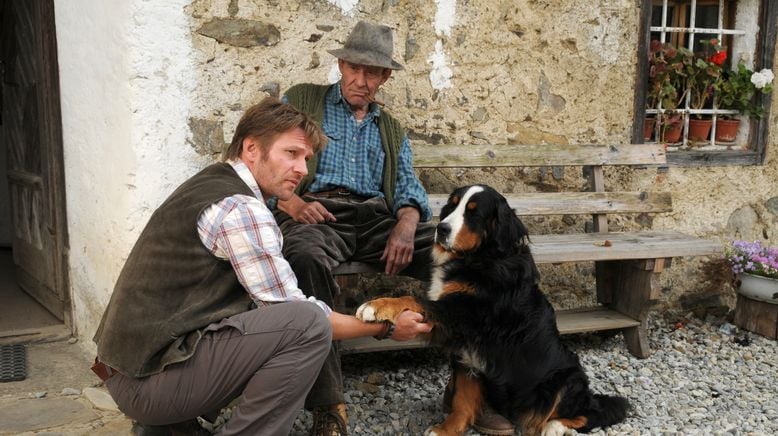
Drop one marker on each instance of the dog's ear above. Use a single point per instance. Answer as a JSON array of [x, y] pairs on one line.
[[508, 231]]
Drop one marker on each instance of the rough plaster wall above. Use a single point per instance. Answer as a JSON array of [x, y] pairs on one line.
[[126, 80], [520, 70], [520, 73]]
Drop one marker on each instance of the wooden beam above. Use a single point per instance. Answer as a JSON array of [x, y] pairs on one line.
[[466, 156], [577, 203]]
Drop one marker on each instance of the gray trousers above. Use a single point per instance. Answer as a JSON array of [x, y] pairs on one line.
[[269, 357], [359, 234]]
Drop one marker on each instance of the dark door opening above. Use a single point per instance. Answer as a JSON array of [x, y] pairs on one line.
[[31, 140]]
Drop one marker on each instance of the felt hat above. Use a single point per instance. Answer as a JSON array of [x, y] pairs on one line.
[[369, 44]]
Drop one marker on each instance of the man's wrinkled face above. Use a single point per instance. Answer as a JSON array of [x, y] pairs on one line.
[[280, 169], [360, 83]]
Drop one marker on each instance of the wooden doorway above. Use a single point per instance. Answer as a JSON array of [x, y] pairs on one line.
[[31, 137]]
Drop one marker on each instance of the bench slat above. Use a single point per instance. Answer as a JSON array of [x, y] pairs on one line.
[[568, 321], [584, 247], [577, 203], [580, 247], [466, 156]]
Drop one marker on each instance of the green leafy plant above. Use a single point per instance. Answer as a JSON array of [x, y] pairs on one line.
[[738, 87], [703, 71], [666, 76], [666, 83]]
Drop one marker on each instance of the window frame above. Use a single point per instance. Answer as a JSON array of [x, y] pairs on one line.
[[765, 51]]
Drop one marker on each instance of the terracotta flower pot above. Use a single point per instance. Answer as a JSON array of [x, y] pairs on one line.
[[699, 129], [726, 130], [671, 133], [648, 128]]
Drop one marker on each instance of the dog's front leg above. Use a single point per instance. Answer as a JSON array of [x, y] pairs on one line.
[[387, 309], [465, 405]]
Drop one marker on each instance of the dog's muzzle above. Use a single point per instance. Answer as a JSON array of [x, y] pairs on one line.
[[442, 232]]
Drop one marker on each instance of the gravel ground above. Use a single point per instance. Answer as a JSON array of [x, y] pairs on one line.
[[703, 378]]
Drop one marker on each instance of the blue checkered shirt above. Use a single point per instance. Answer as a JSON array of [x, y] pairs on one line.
[[354, 157]]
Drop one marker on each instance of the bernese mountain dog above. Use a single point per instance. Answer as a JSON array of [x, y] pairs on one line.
[[497, 326]]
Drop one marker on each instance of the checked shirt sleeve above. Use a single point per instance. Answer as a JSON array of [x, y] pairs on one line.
[[242, 230], [409, 191]]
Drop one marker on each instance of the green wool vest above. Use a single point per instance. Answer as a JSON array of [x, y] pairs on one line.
[[309, 98], [171, 286]]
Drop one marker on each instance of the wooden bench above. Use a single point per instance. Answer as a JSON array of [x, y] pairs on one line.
[[627, 264]]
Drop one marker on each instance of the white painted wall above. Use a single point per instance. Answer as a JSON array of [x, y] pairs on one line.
[[126, 81]]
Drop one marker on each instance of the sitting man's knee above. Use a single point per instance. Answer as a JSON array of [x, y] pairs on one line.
[[305, 259]]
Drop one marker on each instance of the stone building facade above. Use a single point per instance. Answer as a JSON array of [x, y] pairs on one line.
[[476, 72]]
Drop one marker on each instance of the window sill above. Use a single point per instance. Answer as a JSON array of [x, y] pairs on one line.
[[698, 158]]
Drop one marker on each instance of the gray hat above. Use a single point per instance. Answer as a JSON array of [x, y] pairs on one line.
[[369, 44]]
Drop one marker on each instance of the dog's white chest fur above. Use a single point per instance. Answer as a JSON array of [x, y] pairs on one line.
[[472, 360], [436, 285]]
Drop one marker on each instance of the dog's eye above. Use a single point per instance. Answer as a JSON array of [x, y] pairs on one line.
[[472, 205], [455, 200]]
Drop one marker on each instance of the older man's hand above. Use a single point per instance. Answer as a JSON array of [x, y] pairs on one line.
[[306, 212], [399, 248]]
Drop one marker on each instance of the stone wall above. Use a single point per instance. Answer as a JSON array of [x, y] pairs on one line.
[[486, 72]]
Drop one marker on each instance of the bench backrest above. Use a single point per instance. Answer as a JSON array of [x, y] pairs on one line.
[[596, 201]]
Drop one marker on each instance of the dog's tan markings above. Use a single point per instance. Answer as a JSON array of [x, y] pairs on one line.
[[455, 200], [465, 406], [472, 205], [533, 422], [466, 240], [387, 309], [577, 422], [454, 286]]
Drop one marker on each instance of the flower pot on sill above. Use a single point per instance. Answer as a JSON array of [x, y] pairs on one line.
[[726, 130], [671, 133], [699, 129], [649, 124]]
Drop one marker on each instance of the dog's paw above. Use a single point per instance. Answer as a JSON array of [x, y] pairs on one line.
[[434, 431], [366, 312], [555, 428], [384, 309]]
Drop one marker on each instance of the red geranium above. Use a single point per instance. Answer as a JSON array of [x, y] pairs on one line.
[[718, 58]]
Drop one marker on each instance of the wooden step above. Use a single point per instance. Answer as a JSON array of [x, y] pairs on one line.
[[592, 320], [568, 322], [52, 333]]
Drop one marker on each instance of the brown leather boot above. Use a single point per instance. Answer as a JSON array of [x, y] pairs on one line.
[[492, 423], [488, 421], [330, 421]]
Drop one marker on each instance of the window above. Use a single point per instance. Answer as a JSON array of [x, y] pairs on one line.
[[694, 50]]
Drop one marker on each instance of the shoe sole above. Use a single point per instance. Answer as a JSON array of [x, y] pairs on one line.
[[493, 432], [484, 430]]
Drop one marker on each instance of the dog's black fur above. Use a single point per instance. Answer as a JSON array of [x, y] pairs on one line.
[[494, 312]]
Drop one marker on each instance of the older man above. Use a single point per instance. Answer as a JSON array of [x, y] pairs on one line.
[[361, 200], [180, 339]]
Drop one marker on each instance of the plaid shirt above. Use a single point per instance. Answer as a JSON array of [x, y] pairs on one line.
[[242, 229], [354, 158]]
